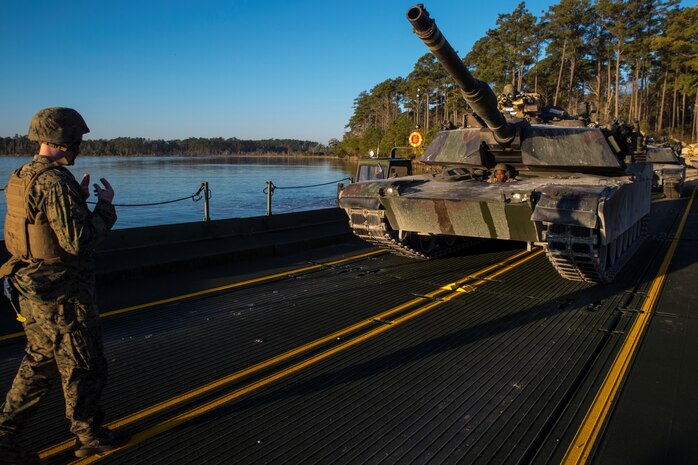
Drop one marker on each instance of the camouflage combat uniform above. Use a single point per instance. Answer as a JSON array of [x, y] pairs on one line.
[[57, 298]]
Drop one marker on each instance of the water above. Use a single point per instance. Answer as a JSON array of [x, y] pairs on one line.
[[236, 185]]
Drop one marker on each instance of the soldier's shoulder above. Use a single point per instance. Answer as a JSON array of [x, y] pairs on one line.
[[55, 173], [54, 177]]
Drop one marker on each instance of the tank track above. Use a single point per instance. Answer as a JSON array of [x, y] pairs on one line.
[[577, 255], [372, 226]]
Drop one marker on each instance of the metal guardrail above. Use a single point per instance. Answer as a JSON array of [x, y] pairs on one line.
[[271, 187], [204, 192]]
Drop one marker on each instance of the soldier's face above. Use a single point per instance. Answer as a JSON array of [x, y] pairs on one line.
[[69, 158], [500, 175]]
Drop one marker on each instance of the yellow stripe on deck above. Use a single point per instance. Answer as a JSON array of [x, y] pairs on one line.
[[584, 441]]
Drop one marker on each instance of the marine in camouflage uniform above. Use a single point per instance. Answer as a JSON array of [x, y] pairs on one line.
[[501, 173], [57, 295]]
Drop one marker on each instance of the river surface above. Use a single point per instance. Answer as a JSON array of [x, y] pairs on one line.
[[237, 185]]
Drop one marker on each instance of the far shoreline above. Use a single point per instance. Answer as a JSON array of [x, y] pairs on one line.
[[212, 155]]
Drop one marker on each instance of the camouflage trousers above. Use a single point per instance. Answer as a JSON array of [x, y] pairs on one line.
[[63, 341]]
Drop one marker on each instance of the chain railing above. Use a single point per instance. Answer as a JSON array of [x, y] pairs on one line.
[[271, 187], [204, 192]]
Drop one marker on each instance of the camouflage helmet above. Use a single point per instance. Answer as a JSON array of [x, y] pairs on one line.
[[501, 166], [57, 125]]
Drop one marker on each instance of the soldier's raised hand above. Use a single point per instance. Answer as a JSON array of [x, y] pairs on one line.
[[85, 185], [105, 193]]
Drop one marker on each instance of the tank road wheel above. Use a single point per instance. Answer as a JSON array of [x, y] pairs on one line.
[[373, 227], [577, 254], [424, 244]]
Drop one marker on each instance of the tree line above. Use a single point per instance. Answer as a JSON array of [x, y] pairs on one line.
[[130, 146], [635, 60]]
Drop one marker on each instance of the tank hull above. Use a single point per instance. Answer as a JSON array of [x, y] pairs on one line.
[[429, 205]]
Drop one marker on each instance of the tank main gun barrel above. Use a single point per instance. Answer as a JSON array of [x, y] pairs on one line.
[[476, 93]]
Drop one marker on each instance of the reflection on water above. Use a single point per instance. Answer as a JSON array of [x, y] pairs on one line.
[[236, 183]]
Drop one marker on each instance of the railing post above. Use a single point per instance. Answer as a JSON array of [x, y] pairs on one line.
[[269, 192], [340, 187], [207, 216]]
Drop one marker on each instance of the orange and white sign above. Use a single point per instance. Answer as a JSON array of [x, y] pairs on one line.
[[416, 138]]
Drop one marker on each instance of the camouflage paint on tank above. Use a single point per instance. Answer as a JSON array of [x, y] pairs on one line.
[[574, 149], [458, 146], [465, 218]]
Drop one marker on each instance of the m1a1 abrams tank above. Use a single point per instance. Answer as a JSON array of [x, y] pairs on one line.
[[567, 188], [669, 170]]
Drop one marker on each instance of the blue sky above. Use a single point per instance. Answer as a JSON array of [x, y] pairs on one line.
[[250, 69]]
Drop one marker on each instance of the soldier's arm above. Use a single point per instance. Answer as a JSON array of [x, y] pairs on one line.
[[78, 229]]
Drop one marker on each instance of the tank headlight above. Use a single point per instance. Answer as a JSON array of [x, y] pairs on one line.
[[519, 198], [392, 191]]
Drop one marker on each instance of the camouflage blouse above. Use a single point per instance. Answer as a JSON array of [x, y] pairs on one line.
[[58, 194]]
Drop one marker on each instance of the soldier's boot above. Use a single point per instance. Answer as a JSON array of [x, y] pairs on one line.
[[103, 441], [12, 454]]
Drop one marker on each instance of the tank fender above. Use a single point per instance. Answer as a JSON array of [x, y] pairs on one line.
[[364, 203], [625, 207], [565, 206], [362, 195]]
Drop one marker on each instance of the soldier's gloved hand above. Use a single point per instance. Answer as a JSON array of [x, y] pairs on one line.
[[85, 185], [106, 193]]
